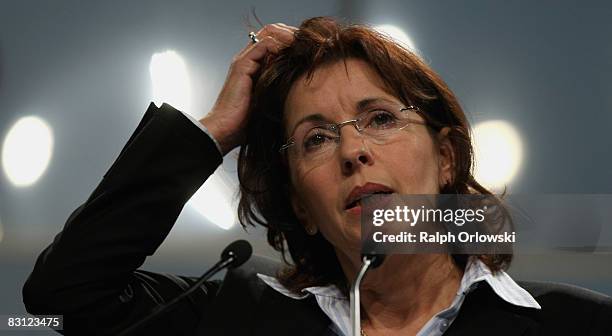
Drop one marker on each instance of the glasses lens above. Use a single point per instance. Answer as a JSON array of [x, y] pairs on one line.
[[384, 120], [378, 123], [318, 140]]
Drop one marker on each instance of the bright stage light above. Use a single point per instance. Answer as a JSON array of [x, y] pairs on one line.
[[27, 150], [498, 153], [171, 85], [214, 201], [396, 34], [170, 80]]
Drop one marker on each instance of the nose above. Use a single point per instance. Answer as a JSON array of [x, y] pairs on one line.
[[354, 154]]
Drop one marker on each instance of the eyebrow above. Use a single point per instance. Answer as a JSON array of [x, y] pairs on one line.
[[361, 106]]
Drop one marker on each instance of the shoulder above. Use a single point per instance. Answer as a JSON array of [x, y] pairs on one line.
[[570, 303], [243, 293], [551, 293], [241, 290], [565, 310]]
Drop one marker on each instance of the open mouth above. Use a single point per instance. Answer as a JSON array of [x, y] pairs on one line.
[[357, 202]]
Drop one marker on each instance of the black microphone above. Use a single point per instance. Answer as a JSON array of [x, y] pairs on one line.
[[377, 259], [240, 251], [234, 255]]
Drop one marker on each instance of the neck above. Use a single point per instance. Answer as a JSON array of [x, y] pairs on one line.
[[405, 291]]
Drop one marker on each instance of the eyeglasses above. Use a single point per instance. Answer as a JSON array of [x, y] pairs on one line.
[[379, 124]]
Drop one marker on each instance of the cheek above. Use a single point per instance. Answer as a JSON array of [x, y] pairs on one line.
[[412, 164], [314, 187], [320, 200]]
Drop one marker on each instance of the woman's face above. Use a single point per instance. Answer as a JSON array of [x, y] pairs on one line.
[[409, 162]]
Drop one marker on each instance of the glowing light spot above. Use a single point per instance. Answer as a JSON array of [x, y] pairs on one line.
[[170, 80], [396, 34], [214, 201], [498, 152], [27, 150]]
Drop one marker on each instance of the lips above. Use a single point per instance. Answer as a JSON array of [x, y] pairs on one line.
[[358, 193]]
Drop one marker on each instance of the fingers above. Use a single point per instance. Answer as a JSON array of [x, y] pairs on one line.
[[248, 62], [272, 38], [280, 32]]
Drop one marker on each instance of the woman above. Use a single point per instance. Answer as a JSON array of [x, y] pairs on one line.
[[302, 179]]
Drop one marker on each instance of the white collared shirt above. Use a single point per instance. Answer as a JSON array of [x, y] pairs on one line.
[[337, 307]]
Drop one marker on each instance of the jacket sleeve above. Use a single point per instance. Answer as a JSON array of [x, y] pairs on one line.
[[89, 272]]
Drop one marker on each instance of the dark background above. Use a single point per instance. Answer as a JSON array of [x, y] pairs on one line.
[[83, 67]]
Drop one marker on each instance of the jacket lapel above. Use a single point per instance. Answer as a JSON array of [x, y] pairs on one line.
[[281, 315]]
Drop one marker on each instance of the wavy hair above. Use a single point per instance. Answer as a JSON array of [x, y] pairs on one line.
[[264, 179]]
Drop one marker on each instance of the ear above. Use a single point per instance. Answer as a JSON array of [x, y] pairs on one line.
[[301, 214], [446, 158]]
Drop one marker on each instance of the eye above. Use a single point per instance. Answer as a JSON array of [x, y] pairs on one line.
[[317, 138], [381, 119]]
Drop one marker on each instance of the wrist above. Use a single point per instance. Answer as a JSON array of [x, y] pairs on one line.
[[216, 130]]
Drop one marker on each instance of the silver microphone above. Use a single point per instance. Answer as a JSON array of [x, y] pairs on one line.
[[369, 261]]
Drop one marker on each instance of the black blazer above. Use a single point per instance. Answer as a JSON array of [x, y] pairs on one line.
[[90, 272]]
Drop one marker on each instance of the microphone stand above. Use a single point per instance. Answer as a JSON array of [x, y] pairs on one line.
[[354, 295], [221, 264], [234, 255]]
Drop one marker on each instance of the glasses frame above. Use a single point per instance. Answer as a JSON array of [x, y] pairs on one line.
[[355, 122]]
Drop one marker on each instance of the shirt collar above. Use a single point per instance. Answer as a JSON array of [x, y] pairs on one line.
[[475, 272], [501, 283], [326, 291]]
